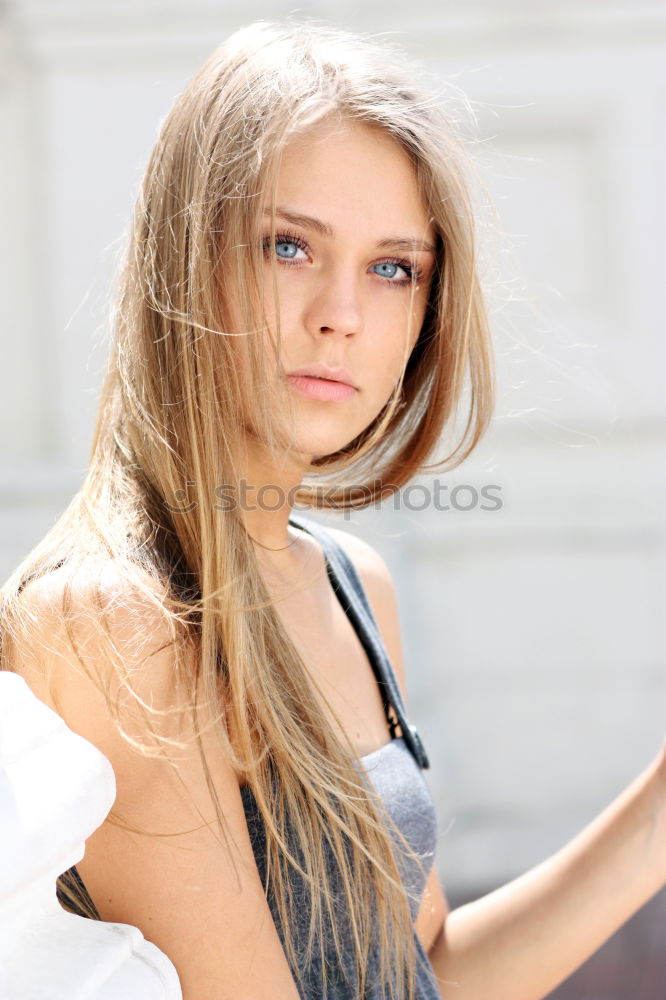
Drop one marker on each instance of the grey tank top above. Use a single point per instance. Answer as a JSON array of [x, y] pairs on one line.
[[394, 770]]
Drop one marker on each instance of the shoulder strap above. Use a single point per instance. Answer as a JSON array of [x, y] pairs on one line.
[[353, 598]]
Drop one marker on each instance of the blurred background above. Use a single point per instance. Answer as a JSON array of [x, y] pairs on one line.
[[533, 628]]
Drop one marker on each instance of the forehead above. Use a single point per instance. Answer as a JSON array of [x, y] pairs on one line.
[[350, 171]]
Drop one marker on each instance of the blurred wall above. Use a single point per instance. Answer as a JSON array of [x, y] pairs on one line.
[[534, 632]]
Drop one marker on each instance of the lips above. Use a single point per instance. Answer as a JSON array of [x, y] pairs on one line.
[[325, 390], [327, 372]]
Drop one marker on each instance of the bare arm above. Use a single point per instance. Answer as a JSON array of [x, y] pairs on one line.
[[520, 941]]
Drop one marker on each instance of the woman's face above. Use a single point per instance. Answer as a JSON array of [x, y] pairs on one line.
[[352, 237]]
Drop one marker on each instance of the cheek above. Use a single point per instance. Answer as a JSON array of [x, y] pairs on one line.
[[283, 308], [394, 340], [402, 324]]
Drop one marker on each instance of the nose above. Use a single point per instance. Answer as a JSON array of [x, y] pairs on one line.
[[335, 306]]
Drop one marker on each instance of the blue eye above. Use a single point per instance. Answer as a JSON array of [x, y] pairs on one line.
[[286, 246], [290, 249], [389, 272], [392, 269]]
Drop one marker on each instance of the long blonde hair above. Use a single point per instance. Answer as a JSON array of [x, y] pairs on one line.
[[171, 405]]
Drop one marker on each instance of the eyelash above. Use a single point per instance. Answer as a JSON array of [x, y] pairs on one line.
[[413, 274]]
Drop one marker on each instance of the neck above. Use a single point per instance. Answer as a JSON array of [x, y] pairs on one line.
[[266, 494]]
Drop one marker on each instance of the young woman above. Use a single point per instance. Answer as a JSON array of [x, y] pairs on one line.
[[297, 316]]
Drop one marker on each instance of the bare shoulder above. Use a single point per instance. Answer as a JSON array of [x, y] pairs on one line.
[[379, 585], [98, 652], [70, 615], [366, 557]]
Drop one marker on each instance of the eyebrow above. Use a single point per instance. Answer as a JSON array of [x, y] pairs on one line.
[[403, 243]]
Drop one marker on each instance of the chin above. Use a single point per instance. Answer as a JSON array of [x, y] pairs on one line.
[[319, 449]]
